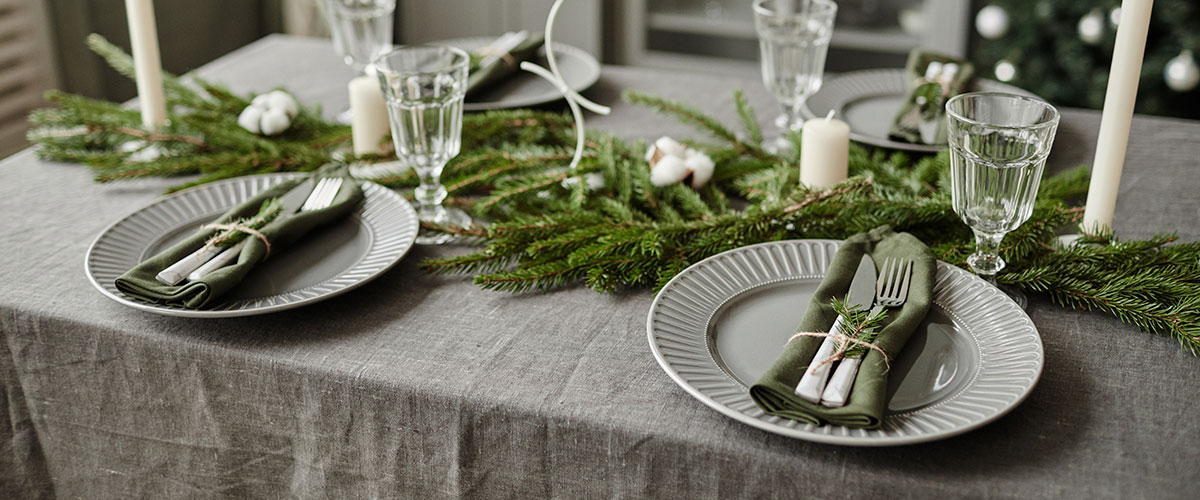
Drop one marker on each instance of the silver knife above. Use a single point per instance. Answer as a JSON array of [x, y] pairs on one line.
[[862, 295], [177, 272]]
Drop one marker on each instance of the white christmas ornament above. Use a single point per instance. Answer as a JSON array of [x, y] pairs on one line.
[[1114, 16], [991, 22], [1091, 27], [270, 113], [1182, 74], [1005, 71], [672, 162]]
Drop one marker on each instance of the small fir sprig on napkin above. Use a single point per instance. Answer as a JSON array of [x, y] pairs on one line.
[[235, 231], [858, 325]]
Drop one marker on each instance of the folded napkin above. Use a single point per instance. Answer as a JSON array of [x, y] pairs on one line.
[[139, 282], [774, 392], [482, 79], [932, 80]]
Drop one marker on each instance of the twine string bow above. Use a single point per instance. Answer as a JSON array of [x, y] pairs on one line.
[[844, 344], [229, 230]]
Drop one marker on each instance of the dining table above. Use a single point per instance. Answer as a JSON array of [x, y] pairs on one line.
[[419, 385]]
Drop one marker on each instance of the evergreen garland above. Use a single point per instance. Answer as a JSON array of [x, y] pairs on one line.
[[607, 226]]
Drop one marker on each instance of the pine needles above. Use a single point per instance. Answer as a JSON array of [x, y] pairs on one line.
[[608, 227]]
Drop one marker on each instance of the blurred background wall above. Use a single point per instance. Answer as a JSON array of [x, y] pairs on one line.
[[1059, 49]]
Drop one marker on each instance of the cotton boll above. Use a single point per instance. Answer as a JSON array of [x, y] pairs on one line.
[[669, 146], [250, 118], [261, 101], [278, 99], [274, 121], [668, 170], [701, 167]]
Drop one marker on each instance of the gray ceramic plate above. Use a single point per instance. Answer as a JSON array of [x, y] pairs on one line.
[[524, 89], [868, 100], [330, 261], [718, 325]]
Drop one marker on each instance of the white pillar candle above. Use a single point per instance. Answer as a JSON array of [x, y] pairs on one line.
[[369, 122], [824, 153], [143, 37], [1118, 113]]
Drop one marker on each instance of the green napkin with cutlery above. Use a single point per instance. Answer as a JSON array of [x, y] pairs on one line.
[[140, 281], [508, 63], [932, 80], [774, 392]]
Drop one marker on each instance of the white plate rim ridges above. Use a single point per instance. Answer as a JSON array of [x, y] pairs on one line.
[[1011, 354], [390, 219]]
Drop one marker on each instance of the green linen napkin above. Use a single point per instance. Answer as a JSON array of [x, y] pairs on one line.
[[775, 391], [139, 282], [482, 79], [921, 119]]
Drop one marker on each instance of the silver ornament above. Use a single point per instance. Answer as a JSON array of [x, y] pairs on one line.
[[1182, 74], [992, 22], [1005, 71], [1091, 27]]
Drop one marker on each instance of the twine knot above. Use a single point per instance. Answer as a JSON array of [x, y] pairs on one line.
[[844, 344], [232, 229]]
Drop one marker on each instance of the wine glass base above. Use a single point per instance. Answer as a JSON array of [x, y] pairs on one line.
[[442, 217], [1016, 294]]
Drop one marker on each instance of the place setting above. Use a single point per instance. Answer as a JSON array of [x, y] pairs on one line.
[[803, 283]]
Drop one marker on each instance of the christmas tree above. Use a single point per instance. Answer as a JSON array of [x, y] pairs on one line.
[[1061, 50]]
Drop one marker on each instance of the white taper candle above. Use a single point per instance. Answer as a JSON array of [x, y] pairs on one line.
[[143, 37], [1118, 113]]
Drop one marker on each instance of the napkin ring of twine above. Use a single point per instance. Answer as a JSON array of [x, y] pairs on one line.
[[948, 86], [503, 55], [233, 228], [844, 344]]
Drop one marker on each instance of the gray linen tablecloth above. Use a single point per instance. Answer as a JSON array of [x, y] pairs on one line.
[[417, 386]]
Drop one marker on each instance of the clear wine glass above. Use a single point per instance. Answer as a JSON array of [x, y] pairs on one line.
[[424, 86], [793, 39], [360, 29], [998, 148]]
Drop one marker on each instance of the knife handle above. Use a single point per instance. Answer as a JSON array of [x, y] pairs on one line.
[[219, 261], [175, 273], [837, 391], [812, 384]]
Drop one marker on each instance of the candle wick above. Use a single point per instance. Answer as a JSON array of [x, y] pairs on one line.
[[829, 117]]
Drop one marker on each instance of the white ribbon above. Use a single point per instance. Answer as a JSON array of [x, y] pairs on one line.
[[574, 100]]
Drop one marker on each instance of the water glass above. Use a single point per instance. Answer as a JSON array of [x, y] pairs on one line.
[[793, 38], [424, 86], [998, 148], [360, 29]]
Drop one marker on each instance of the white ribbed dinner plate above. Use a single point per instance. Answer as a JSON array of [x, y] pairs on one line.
[[868, 100], [718, 325], [326, 262]]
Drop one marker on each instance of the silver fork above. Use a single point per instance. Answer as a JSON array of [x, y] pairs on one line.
[[321, 197], [891, 290]]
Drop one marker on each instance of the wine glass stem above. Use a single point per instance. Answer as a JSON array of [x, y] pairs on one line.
[[791, 120], [430, 193], [987, 262]]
